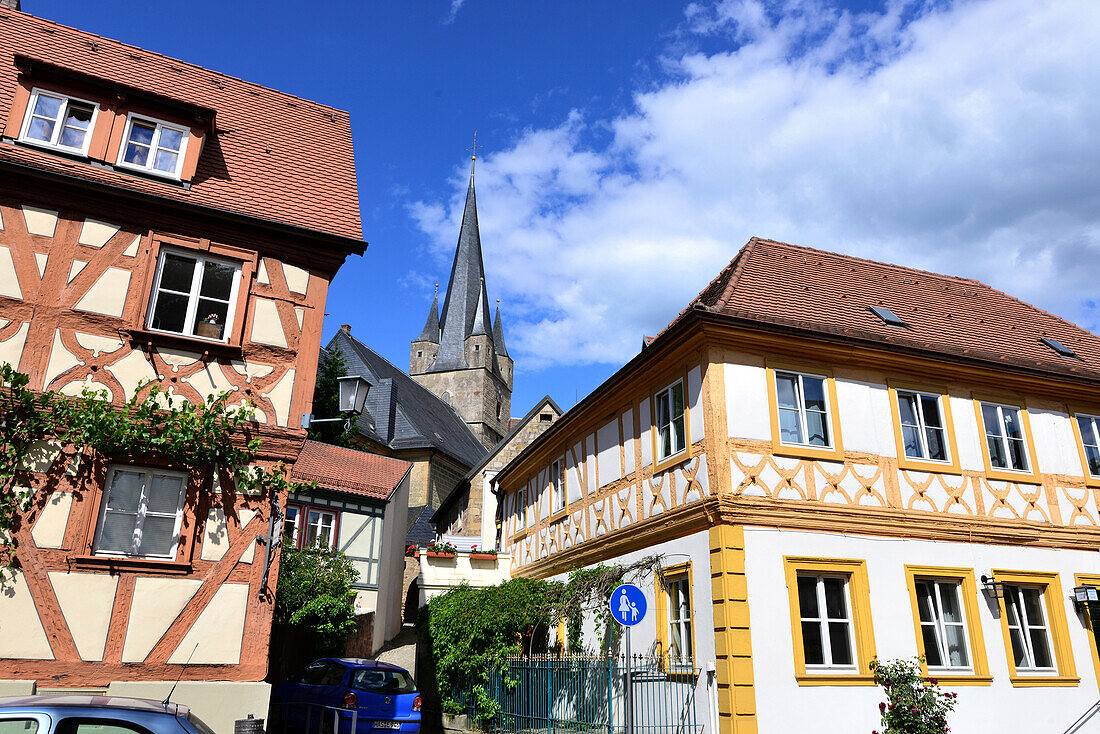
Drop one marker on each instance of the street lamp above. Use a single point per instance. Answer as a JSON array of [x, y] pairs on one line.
[[353, 393], [1082, 595], [994, 589]]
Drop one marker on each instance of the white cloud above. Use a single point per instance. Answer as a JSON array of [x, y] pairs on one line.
[[963, 138], [456, 5]]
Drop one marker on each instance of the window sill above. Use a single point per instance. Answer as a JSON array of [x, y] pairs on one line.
[[1038, 681], [191, 343], [835, 679], [672, 461], [559, 515], [960, 679], [119, 563], [808, 452], [1007, 475], [929, 467]]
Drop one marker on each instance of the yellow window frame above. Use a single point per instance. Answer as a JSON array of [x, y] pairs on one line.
[[969, 593], [1007, 475], [661, 600], [859, 593], [1082, 579], [1056, 623], [926, 465], [1093, 412], [684, 454], [836, 451]]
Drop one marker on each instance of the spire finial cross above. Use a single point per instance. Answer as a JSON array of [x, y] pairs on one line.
[[474, 148]]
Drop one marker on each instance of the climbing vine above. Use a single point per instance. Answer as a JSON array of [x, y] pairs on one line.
[[196, 435]]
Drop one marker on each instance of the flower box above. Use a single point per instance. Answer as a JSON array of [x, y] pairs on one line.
[[438, 554], [475, 556]]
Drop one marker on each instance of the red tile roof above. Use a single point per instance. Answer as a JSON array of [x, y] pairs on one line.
[[349, 470], [275, 156], [784, 285]]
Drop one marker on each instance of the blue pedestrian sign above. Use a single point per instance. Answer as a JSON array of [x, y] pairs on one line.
[[627, 604]]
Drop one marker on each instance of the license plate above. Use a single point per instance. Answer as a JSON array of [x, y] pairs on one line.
[[387, 725]]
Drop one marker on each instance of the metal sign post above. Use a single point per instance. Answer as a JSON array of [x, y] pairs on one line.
[[628, 608]]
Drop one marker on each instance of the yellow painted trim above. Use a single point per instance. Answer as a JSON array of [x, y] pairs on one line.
[[558, 516], [1056, 622], [904, 462], [1090, 480], [685, 453], [836, 452], [734, 675], [661, 602], [1080, 579], [859, 592], [1007, 475], [969, 592]]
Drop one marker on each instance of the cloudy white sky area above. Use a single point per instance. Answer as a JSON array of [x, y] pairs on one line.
[[960, 137]]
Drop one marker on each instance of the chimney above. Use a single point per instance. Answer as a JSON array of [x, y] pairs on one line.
[[346, 328], [9, 4]]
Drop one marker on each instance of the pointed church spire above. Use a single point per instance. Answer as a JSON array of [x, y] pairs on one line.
[[466, 296], [481, 320], [431, 326], [498, 334]]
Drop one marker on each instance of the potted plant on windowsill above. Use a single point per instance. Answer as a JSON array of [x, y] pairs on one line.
[[441, 550], [412, 551], [482, 555], [210, 327]]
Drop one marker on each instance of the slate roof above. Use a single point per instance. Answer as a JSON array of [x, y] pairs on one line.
[[419, 530], [783, 285], [273, 155], [498, 334], [402, 414], [349, 470], [430, 332]]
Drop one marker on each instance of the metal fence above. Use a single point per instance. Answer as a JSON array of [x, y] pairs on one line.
[[574, 693]]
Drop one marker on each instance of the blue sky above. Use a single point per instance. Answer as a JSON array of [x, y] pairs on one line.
[[630, 147]]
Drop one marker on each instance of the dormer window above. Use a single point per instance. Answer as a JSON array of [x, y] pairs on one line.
[[58, 121], [153, 146]]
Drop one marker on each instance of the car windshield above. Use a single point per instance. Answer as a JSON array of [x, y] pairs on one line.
[[199, 724], [383, 681]]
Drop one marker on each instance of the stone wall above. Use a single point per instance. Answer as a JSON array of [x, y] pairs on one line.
[[474, 393]]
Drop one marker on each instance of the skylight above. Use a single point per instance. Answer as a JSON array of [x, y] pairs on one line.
[[1058, 346], [889, 317]]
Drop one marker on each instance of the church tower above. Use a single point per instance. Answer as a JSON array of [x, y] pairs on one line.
[[460, 354]]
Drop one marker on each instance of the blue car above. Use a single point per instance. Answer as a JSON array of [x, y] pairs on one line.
[[86, 714], [329, 694]]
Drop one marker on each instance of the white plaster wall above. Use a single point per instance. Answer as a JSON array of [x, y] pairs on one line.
[[217, 703], [783, 706], [391, 566], [437, 575], [489, 510], [967, 434], [1055, 442], [608, 464], [643, 636], [865, 420], [747, 411]]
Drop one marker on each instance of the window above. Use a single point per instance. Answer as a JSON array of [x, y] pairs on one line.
[[948, 630], [1091, 613], [153, 146], [1028, 629], [57, 121], [675, 615], [830, 621], [923, 431], [1004, 435], [1088, 432], [18, 726], [194, 295], [803, 409], [141, 513], [319, 529], [671, 431], [545, 417], [1033, 622], [827, 641], [291, 531], [557, 488], [98, 725], [520, 510]]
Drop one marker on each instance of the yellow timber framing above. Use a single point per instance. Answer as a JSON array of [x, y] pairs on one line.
[[1054, 605], [979, 675], [732, 640], [1085, 579]]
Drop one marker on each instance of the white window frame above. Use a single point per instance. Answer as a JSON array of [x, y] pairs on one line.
[[557, 488], [296, 523], [148, 471], [193, 297], [1014, 593], [321, 512], [666, 394], [823, 621], [160, 125], [679, 586], [939, 624], [1093, 434], [59, 123], [519, 509], [922, 426], [803, 424], [1003, 436]]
